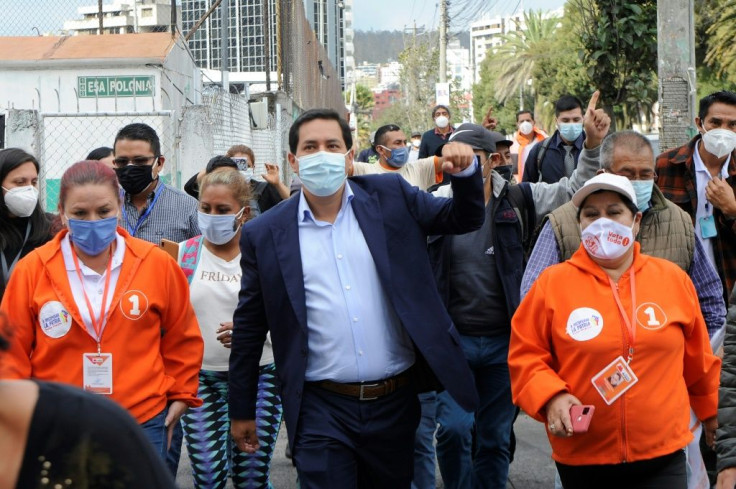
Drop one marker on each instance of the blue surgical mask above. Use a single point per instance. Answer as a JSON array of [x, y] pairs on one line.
[[322, 173], [643, 190], [570, 130], [92, 237], [219, 228], [399, 156]]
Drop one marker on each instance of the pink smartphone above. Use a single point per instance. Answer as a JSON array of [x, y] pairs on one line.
[[581, 416]]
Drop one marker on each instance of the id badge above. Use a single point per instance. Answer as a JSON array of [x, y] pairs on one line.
[[615, 379], [97, 368], [708, 227]]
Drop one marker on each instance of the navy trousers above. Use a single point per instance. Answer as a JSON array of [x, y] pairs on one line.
[[347, 443]]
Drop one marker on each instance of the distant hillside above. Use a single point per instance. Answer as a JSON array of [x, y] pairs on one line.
[[385, 46]]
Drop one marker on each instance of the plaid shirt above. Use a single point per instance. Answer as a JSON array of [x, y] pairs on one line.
[[676, 179]]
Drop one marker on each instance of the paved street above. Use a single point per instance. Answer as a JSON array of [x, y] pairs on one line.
[[532, 469]]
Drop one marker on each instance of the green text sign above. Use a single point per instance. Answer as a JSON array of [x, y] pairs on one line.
[[115, 86]]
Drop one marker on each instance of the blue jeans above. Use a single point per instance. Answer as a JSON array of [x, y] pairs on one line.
[[489, 465], [424, 471], [156, 433]]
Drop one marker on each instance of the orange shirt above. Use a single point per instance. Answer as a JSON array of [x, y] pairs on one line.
[[672, 357], [151, 331]]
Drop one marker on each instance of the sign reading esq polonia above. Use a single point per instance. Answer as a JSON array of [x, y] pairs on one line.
[[115, 86]]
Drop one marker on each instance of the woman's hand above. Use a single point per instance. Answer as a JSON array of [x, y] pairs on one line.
[[710, 426], [225, 334], [558, 414]]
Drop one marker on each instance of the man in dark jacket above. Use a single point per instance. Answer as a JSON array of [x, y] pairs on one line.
[[557, 156], [479, 278]]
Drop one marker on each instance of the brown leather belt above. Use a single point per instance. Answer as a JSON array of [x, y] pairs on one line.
[[366, 391]]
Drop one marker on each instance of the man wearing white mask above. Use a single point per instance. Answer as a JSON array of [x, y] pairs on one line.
[[557, 156], [700, 177], [436, 137], [416, 140], [525, 135]]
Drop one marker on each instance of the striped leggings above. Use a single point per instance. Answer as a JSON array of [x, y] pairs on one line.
[[212, 453]]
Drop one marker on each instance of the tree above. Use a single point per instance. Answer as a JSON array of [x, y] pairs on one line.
[[721, 54], [521, 49], [619, 40], [562, 71], [418, 75], [365, 102]]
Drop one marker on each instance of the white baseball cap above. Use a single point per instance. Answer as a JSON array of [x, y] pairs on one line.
[[605, 181]]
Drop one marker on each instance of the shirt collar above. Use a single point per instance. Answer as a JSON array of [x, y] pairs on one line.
[[700, 166], [305, 212], [445, 135], [117, 256]]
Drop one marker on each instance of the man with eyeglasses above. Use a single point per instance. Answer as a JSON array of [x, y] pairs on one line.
[[666, 230], [152, 210]]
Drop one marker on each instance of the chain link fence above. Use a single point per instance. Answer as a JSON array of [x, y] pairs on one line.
[[65, 139], [230, 118], [68, 17]]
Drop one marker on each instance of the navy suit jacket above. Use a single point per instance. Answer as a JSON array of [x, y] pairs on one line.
[[395, 219]]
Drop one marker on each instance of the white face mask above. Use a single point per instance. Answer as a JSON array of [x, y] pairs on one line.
[[442, 121], [526, 128], [719, 142], [415, 142], [248, 174], [607, 239], [21, 201]]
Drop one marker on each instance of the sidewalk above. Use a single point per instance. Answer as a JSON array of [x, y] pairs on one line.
[[532, 468]]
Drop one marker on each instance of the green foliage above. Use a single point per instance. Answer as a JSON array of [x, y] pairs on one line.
[[420, 62], [619, 41], [562, 71], [516, 57], [721, 54]]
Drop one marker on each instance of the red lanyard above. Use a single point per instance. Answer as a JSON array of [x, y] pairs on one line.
[[97, 325], [630, 323]]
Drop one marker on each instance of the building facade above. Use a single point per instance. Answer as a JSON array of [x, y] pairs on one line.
[[122, 17]]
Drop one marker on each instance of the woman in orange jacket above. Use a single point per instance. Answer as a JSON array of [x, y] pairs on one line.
[[104, 311], [621, 332]]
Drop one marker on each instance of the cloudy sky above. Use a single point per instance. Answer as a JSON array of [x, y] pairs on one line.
[[395, 14]]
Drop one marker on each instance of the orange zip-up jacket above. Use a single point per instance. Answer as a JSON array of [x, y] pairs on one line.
[[151, 330], [672, 357]]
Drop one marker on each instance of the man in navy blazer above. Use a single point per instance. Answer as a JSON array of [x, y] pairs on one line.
[[340, 276]]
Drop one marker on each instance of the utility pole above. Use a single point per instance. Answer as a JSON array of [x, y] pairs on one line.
[[443, 41], [224, 60], [100, 16], [676, 61]]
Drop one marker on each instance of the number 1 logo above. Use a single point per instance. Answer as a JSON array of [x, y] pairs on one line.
[[134, 304], [651, 316]]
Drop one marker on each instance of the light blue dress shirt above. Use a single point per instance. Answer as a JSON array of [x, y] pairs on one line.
[[354, 335]]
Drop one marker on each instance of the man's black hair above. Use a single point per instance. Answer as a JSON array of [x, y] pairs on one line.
[[524, 112], [314, 114], [724, 97], [219, 162], [98, 153], [567, 102], [140, 132], [440, 106], [381, 133]]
